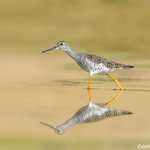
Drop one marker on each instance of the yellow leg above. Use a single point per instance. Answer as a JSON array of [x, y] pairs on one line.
[[115, 80], [114, 98], [89, 88]]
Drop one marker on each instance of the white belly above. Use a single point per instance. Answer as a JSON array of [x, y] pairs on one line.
[[100, 68]]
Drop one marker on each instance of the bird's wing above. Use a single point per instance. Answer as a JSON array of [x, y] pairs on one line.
[[100, 60]]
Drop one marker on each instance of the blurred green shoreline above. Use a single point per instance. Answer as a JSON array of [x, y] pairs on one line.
[[98, 25], [46, 143]]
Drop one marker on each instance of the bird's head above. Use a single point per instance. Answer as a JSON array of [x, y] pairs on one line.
[[60, 45], [59, 131]]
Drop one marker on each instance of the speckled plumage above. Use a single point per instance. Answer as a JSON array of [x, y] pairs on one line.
[[96, 64], [90, 113], [88, 62]]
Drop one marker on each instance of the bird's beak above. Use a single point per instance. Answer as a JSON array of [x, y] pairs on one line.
[[48, 125], [49, 49]]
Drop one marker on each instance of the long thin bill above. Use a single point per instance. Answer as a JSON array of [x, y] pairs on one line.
[[48, 125], [49, 49]]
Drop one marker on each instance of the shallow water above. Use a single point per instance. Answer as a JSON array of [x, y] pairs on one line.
[[52, 87]]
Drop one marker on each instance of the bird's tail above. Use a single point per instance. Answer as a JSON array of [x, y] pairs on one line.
[[121, 112], [127, 66], [125, 112]]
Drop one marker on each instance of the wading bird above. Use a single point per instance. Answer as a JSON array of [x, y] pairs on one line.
[[90, 113], [91, 63]]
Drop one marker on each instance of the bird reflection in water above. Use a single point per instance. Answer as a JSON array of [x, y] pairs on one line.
[[92, 112]]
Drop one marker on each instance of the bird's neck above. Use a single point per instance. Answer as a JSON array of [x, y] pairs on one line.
[[67, 124], [72, 53]]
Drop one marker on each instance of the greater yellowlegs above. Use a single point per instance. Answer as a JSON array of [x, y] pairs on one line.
[[90, 113], [91, 63]]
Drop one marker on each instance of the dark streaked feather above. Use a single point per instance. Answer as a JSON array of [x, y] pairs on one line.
[[108, 63]]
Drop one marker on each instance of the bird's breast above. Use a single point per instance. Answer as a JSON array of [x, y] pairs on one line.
[[93, 114]]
